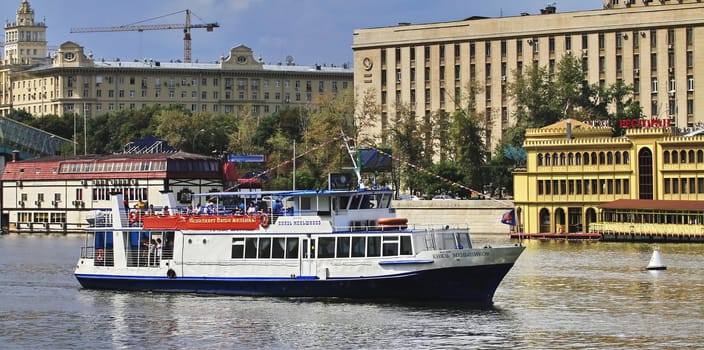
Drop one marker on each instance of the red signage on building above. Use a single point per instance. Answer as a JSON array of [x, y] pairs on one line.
[[643, 123]]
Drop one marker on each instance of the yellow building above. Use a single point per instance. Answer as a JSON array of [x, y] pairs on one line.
[[649, 44], [74, 81], [575, 171]]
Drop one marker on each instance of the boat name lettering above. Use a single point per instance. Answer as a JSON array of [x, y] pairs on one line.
[[300, 222], [223, 220], [468, 254], [448, 255]]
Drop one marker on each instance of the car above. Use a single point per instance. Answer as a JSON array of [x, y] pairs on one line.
[[442, 197], [409, 197]]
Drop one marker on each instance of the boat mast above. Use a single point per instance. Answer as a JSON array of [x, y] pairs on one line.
[[352, 153]]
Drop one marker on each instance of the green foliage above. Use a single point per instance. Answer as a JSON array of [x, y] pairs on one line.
[[450, 172]]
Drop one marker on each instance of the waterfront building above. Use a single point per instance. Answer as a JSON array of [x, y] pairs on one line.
[[579, 177], [647, 44], [58, 194], [72, 80]]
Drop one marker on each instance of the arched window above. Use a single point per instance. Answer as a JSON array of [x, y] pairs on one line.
[[544, 217], [618, 157], [602, 158], [690, 155], [554, 159], [683, 157], [563, 160], [626, 159], [593, 158], [675, 157], [645, 174], [700, 156], [540, 159], [609, 158], [666, 157], [570, 158], [578, 159], [586, 158]]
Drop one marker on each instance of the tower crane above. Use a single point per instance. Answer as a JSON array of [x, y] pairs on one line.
[[136, 27]]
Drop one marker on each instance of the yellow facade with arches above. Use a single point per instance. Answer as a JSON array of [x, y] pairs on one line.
[[574, 168]]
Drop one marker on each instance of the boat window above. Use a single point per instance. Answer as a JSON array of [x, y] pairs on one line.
[[292, 248], [343, 247], [278, 248], [463, 240], [238, 248], [358, 245], [264, 248], [374, 246], [383, 200], [250, 250], [367, 202], [344, 200], [167, 245], [354, 203], [304, 203], [326, 247], [306, 248], [406, 247], [390, 246]]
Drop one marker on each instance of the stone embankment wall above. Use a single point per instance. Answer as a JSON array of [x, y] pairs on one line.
[[481, 216]]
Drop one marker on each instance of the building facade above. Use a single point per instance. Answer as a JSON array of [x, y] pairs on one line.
[[74, 81], [647, 44], [58, 195], [574, 171]]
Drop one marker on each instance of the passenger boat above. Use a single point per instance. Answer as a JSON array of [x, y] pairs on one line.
[[328, 243]]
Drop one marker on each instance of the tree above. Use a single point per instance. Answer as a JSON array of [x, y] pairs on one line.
[[466, 134]]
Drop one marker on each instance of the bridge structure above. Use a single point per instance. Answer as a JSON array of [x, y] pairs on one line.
[[23, 141]]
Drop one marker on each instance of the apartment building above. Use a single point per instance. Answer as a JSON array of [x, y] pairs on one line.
[[72, 80], [648, 44]]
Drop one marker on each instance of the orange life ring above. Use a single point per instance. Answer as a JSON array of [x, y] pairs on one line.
[[99, 255], [264, 220], [133, 216], [396, 223]]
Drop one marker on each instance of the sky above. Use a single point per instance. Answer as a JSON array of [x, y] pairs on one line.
[[310, 31]]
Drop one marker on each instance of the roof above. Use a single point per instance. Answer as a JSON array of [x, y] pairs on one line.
[[104, 64], [48, 168], [672, 205], [562, 124]]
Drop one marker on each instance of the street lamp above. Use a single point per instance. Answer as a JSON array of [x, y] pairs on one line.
[[193, 149]]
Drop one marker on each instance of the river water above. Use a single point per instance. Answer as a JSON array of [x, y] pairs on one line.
[[560, 295]]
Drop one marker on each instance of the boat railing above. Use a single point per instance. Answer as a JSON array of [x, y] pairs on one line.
[[149, 257]]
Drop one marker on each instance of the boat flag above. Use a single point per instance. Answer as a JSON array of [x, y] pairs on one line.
[[509, 218]]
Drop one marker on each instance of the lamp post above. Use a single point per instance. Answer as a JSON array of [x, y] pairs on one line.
[[193, 148]]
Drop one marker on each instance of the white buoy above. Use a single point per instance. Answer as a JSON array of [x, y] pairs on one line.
[[656, 260]]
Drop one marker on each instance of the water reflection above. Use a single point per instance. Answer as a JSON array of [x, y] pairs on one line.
[[560, 295]]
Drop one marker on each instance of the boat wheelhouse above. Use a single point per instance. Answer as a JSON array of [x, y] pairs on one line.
[[330, 243]]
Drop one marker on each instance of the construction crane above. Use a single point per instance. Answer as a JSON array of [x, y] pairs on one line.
[[136, 27]]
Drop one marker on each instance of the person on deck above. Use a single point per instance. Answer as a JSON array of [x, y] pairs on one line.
[[251, 209], [277, 207]]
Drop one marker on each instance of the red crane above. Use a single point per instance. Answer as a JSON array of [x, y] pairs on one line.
[[136, 27]]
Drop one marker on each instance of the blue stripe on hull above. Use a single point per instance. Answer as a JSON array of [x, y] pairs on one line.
[[468, 284]]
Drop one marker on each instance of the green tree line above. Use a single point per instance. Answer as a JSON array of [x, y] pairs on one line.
[[444, 152]]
